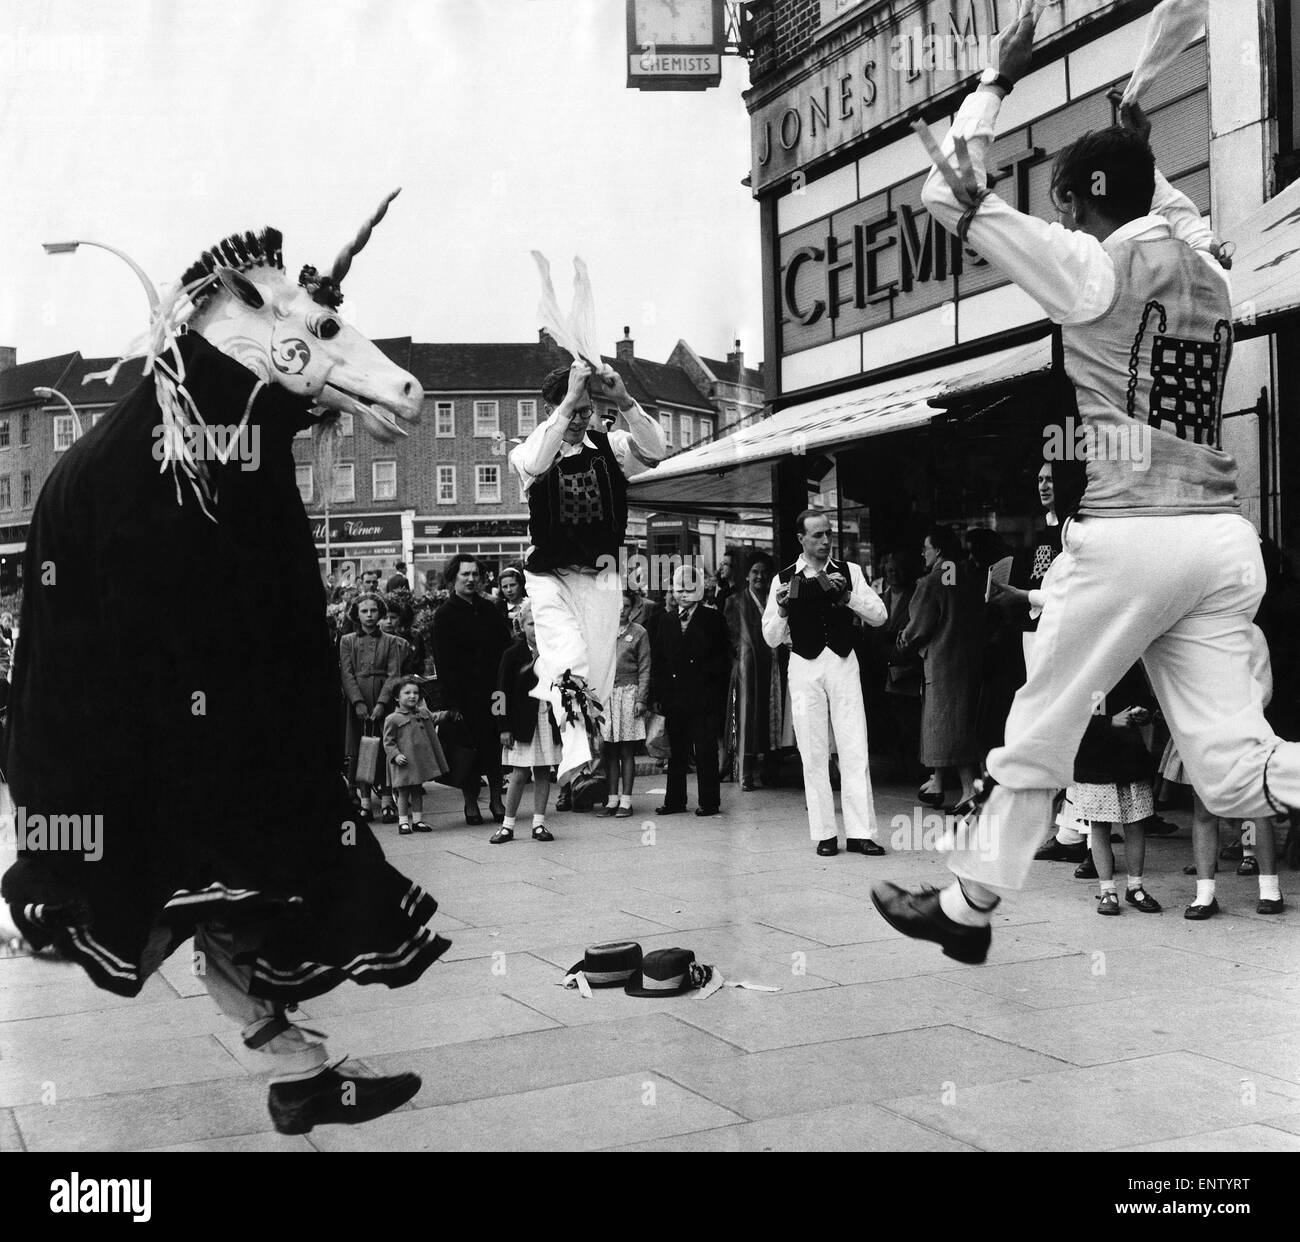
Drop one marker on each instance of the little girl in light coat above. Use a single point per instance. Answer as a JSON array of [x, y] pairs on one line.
[[414, 753]]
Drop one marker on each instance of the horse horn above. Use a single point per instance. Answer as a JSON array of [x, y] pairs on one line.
[[344, 261]]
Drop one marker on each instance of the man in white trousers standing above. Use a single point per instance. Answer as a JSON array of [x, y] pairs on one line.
[[575, 481], [813, 604], [1159, 564]]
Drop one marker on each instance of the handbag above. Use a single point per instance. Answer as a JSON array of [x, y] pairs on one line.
[[462, 758], [656, 737], [372, 768]]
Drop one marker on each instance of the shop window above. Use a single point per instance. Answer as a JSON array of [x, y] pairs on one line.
[[383, 480], [446, 485], [527, 417], [27, 489], [487, 420], [65, 432], [304, 477], [487, 485], [444, 419], [345, 483]]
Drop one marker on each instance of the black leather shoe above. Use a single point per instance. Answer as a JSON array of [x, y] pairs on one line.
[[331, 1098], [1143, 900], [1108, 903], [1202, 912], [862, 845], [1231, 853], [1158, 826], [704, 812], [1054, 851], [473, 817], [1249, 865], [670, 810], [1086, 870], [747, 786], [390, 815], [829, 847], [565, 801], [917, 914], [498, 813], [1269, 905], [928, 797]]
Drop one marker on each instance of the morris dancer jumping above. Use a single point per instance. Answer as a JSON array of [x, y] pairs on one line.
[[1161, 564], [576, 484]]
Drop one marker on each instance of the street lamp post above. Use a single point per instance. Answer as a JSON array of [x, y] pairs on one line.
[[69, 247], [53, 394]]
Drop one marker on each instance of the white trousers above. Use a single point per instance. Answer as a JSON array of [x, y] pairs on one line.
[[828, 691], [576, 616], [1179, 593]]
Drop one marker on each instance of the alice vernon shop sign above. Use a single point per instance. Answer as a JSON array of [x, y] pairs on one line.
[[883, 65], [377, 528]]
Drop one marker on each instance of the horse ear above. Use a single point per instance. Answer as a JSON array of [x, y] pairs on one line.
[[240, 286]]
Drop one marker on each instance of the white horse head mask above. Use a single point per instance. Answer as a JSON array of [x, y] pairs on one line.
[[291, 334]]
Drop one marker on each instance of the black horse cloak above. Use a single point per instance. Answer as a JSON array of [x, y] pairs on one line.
[[174, 675]]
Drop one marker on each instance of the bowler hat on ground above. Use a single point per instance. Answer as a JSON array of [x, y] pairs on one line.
[[668, 972], [609, 965]]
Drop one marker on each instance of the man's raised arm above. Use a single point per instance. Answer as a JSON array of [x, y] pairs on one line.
[[535, 455], [643, 443], [1068, 273]]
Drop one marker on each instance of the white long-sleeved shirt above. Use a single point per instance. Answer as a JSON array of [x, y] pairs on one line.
[[635, 450], [864, 602], [1069, 273]]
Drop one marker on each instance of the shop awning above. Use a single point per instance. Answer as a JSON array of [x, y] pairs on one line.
[[1266, 263], [990, 382], [733, 473]]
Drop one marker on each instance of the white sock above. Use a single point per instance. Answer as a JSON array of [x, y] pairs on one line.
[[539, 821], [1247, 851], [403, 819], [1204, 892], [625, 800], [508, 822], [1106, 886], [1269, 889], [1134, 881], [952, 901]]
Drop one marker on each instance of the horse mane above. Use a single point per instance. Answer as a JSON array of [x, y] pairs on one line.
[[240, 251]]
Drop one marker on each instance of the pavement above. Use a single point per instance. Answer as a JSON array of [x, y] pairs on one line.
[[1140, 1033]]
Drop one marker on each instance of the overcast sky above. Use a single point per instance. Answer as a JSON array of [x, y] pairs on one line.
[[159, 126]]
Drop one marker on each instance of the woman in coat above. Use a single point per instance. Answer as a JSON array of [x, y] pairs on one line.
[[757, 716], [369, 660], [946, 629]]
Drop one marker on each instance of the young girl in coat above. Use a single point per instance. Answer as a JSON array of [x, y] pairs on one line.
[[530, 738], [414, 754], [624, 724]]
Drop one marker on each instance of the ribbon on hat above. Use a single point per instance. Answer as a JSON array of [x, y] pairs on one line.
[[716, 982], [578, 980]]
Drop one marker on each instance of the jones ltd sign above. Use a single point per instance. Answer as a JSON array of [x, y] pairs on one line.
[[878, 69]]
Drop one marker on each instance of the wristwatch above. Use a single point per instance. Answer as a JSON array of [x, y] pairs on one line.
[[991, 77]]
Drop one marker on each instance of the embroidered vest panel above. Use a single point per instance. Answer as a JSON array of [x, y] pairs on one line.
[[815, 622], [577, 510], [1149, 377]]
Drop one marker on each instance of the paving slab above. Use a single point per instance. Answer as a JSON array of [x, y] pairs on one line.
[[455, 1073], [585, 1116], [1254, 1138], [854, 1127], [1104, 1107]]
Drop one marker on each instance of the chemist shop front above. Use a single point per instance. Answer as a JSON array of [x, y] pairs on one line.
[[911, 383]]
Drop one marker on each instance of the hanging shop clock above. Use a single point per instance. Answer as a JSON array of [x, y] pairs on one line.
[[675, 45]]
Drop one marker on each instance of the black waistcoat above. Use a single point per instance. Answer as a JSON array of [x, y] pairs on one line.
[[815, 620], [577, 510]]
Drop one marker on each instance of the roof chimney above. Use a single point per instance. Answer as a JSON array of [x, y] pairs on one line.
[[8, 357], [737, 357], [623, 349]]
